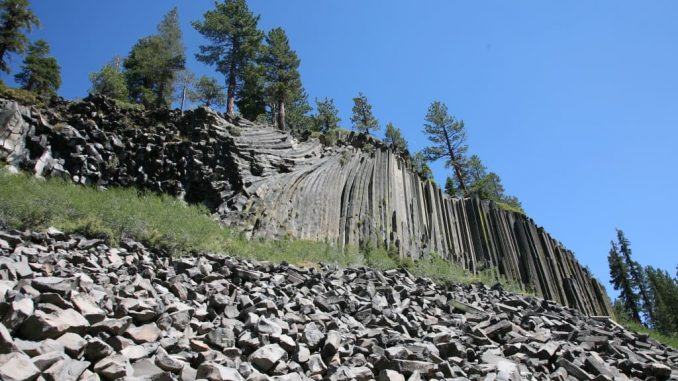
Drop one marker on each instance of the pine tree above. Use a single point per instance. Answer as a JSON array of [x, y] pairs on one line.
[[420, 166], [363, 120], [449, 141], [40, 73], [154, 62], [475, 170], [208, 92], [110, 81], [251, 99], [450, 188], [664, 292], [327, 116], [620, 280], [394, 138], [636, 276], [232, 30], [174, 56], [15, 20], [282, 79], [297, 118]]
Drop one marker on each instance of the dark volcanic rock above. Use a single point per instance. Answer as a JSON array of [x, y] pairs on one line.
[[270, 184], [424, 332]]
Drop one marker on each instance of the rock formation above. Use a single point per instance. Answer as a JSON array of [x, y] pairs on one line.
[[269, 184], [73, 308]]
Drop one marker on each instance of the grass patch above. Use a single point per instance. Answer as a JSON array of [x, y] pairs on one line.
[[24, 97], [169, 224], [671, 341]]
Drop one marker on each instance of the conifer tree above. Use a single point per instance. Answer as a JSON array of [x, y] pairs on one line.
[[394, 138], [208, 92], [636, 276], [153, 64], [297, 118], [282, 79], [251, 99], [110, 81], [363, 120], [664, 300], [621, 281], [420, 166], [450, 188], [327, 116], [15, 20], [232, 30], [449, 141], [40, 73]]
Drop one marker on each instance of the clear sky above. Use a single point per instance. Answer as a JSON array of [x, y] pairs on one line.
[[574, 104]]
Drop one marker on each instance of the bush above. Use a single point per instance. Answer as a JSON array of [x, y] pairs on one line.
[[24, 97]]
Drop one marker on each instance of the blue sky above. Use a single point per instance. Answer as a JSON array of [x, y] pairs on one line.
[[574, 104]]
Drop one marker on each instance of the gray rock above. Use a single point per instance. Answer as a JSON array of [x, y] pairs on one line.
[[147, 333], [266, 357], [113, 367], [215, 372], [43, 325], [16, 366], [66, 370]]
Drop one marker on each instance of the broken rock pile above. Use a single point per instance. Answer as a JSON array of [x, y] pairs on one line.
[[76, 309]]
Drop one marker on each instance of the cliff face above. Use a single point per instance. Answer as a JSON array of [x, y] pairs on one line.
[[271, 185]]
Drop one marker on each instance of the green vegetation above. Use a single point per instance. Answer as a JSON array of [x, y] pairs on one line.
[[110, 81], [281, 67], [15, 19], [648, 297], [171, 225], [207, 92], [235, 40], [362, 119], [394, 138], [153, 64], [327, 116], [22, 96], [40, 73], [448, 138]]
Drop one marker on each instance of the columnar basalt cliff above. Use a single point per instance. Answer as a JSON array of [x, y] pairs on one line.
[[270, 184]]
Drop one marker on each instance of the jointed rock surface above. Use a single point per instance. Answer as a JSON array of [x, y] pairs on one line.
[[270, 184], [77, 309]]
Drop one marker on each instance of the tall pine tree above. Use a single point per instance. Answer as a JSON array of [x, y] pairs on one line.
[[282, 79], [621, 281], [327, 116], [363, 120], [636, 276], [15, 20], [664, 292], [154, 62], [40, 73], [449, 141], [235, 39]]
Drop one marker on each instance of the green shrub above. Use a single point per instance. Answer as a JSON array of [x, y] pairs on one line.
[[24, 97]]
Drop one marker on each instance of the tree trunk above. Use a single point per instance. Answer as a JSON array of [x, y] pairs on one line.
[[281, 116], [230, 92], [457, 167], [183, 97]]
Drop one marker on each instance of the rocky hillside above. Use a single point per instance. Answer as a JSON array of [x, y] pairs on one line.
[[270, 184], [75, 309]]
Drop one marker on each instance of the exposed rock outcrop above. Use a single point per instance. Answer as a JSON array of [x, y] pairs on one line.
[[104, 313], [270, 184]]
